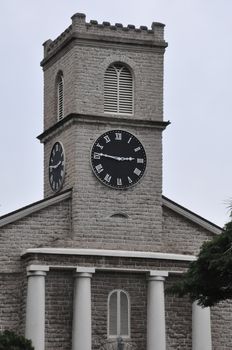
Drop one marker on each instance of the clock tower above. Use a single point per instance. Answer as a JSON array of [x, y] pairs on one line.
[[103, 82], [103, 105]]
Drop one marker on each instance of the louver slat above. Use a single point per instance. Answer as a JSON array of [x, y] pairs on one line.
[[60, 98], [110, 90], [118, 90]]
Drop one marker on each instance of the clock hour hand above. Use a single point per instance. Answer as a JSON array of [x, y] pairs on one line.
[[55, 166]]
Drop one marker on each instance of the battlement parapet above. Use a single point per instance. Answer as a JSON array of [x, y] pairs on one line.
[[95, 30]]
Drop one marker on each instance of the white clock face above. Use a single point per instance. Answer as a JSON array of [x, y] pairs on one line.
[[56, 167], [118, 159]]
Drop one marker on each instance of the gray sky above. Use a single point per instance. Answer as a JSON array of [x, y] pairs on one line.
[[197, 94]]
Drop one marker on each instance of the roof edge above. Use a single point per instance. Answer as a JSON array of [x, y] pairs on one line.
[[32, 208], [190, 215]]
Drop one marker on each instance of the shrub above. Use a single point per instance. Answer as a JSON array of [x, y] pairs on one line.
[[11, 341]]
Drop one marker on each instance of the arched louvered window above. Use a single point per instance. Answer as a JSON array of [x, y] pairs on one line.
[[118, 314], [60, 96], [118, 89]]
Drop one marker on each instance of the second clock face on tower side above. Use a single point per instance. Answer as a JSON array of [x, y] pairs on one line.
[[118, 159], [56, 167]]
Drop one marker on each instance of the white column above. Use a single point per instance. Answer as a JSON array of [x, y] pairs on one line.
[[201, 328], [156, 334], [35, 306], [82, 330]]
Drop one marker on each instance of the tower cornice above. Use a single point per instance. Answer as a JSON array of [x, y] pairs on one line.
[[76, 118]]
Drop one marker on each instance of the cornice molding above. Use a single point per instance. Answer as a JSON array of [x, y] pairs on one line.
[[100, 119], [98, 40], [110, 253]]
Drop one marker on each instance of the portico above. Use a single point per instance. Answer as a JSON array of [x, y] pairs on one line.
[[82, 309]]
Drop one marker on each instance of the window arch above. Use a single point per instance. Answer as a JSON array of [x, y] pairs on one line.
[[118, 89], [60, 96], [118, 314]]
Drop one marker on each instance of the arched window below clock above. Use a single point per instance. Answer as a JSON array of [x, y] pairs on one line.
[[118, 314], [60, 95], [118, 89]]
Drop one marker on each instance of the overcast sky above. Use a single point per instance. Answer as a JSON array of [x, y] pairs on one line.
[[197, 94]]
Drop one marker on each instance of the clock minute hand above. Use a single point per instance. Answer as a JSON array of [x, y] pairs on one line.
[[127, 158], [108, 156]]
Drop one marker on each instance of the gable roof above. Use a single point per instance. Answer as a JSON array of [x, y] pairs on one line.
[[34, 207], [188, 214], [168, 203]]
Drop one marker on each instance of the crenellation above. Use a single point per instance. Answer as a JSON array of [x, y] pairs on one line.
[[81, 28]]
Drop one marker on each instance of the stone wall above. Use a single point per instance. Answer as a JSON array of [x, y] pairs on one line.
[[40, 228]]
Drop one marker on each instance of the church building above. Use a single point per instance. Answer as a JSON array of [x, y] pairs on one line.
[[87, 267]]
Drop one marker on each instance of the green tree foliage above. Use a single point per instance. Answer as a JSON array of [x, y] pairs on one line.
[[12, 341], [209, 278]]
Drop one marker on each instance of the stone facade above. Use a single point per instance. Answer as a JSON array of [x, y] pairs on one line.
[[89, 238]]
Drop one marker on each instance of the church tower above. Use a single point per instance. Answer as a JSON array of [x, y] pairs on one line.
[[103, 123], [86, 268]]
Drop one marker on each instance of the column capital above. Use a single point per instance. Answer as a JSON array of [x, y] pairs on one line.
[[83, 269], [83, 275], [157, 275], [34, 268], [36, 273]]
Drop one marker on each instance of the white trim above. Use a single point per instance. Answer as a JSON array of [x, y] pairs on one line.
[[111, 253], [192, 217], [79, 269], [33, 208]]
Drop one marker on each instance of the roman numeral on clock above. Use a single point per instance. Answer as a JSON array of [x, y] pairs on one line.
[[96, 155], [119, 181], [129, 179], [107, 138], [99, 168], [107, 178], [100, 146], [118, 136], [137, 171]]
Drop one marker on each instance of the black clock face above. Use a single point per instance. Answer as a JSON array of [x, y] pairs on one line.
[[118, 159], [56, 167]]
